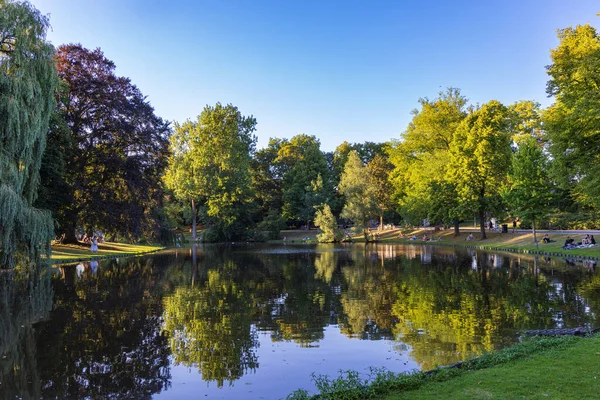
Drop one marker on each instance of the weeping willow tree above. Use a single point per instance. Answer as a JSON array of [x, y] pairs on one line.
[[27, 84]]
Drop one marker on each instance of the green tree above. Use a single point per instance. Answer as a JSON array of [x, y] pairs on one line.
[[380, 168], [55, 189], [573, 121], [480, 156], [529, 188], [27, 84], [421, 158], [303, 163], [327, 223], [267, 176], [359, 190], [210, 164]]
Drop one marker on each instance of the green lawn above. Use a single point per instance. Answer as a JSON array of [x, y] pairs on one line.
[[70, 253], [568, 372]]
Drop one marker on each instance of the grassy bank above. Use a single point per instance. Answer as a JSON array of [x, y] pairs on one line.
[[562, 368], [522, 242], [63, 254]]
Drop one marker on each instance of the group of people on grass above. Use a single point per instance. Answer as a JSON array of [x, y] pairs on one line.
[[425, 238], [587, 241]]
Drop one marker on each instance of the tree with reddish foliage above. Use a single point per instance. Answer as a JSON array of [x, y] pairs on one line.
[[118, 149]]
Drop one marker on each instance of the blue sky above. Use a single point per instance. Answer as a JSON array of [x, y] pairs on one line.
[[339, 70]]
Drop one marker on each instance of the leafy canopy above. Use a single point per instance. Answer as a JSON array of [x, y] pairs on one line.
[[27, 84]]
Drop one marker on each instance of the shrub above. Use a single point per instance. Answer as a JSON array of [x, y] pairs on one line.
[[327, 223], [271, 226]]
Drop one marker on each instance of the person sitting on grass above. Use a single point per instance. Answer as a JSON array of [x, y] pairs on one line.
[[470, 237], [425, 237], [568, 243], [586, 240], [413, 237], [592, 240], [546, 238]]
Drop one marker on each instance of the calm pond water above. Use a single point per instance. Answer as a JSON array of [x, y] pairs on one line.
[[253, 322]]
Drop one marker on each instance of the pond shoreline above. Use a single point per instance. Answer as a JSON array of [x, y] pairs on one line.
[[81, 253], [520, 242]]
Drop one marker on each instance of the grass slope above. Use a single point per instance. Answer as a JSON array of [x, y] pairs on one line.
[[537, 368], [563, 372], [62, 254], [505, 241]]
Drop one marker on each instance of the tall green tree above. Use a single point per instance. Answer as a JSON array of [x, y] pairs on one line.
[[118, 150], [359, 190], [303, 163], [210, 165], [27, 84], [573, 121], [380, 168], [267, 172], [421, 159], [529, 189], [480, 157]]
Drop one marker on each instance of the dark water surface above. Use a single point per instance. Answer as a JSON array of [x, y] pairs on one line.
[[255, 321]]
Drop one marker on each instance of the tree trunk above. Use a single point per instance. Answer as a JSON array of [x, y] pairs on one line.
[[456, 226], [381, 222], [482, 223], [194, 220], [70, 235], [533, 228]]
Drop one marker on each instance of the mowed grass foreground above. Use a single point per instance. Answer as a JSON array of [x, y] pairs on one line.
[[569, 370], [62, 253], [537, 368]]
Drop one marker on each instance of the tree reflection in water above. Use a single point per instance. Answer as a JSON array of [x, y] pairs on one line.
[[25, 298], [210, 324], [103, 337]]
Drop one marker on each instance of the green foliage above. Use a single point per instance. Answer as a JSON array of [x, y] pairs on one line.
[[358, 188], [573, 121], [267, 172], [480, 156], [27, 84], [575, 220], [380, 168], [529, 188], [306, 177], [421, 186], [327, 223], [271, 226], [210, 164], [55, 193], [526, 121]]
